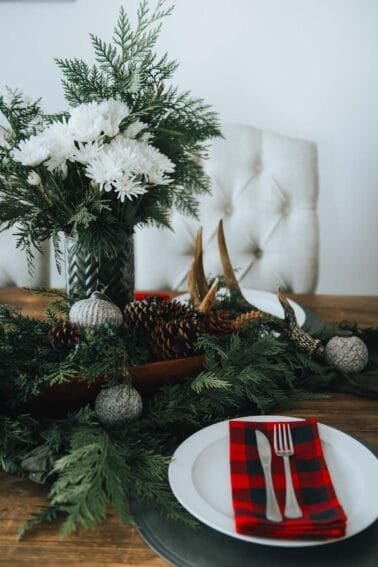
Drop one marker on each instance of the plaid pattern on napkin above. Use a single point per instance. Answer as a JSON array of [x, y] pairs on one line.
[[323, 516]]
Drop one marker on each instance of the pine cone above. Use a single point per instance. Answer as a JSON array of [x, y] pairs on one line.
[[64, 334], [176, 310], [145, 313], [219, 322], [176, 338], [246, 318]]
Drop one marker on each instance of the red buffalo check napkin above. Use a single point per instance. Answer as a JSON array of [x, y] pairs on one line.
[[323, 516]]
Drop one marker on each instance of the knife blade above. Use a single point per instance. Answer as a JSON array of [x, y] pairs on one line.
[[272, 510]]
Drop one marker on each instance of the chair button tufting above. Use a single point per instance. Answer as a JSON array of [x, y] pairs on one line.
[[285, 209], [228, 209], [258, 166], [257, 252]]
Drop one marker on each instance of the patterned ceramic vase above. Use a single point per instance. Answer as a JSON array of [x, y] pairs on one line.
[[86, 273]]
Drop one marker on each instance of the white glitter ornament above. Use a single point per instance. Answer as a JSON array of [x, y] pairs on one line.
[[117, 405], [347, 353], [96, 311]]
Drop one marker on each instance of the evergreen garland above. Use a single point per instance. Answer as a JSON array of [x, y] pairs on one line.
[[88, 467]]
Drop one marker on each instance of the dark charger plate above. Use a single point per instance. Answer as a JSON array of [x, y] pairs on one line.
[[205, 547]]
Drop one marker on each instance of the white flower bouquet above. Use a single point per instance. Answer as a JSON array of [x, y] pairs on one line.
[[127, 151], [102, 143]]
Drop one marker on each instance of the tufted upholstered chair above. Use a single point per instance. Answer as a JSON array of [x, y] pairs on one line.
[[13, 265], [265, 187]]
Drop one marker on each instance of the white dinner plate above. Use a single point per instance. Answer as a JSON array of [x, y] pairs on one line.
[[199, 475], [263, 300]]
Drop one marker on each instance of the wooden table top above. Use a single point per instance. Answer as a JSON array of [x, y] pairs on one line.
[[113, 545]]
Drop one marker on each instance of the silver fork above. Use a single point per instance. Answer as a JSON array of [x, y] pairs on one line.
[[283, 447]]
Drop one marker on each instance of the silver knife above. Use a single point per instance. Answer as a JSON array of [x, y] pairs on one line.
[[265, 453]]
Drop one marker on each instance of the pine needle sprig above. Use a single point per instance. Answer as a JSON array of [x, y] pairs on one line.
[[138, 44], [82, 82], [146, 476], [60, 373], [88, 478], [122, 67], [204, 381], [45, 515], [22, 115]]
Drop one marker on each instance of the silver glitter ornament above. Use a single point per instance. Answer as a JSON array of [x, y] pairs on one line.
[[117, 405], [96, 311], [347, 353]]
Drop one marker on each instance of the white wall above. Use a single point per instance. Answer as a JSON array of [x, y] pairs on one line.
[[306, 68]]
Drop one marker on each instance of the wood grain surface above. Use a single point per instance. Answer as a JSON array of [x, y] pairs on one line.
[[113, 545]]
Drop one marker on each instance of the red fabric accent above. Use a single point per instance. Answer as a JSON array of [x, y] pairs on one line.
[[323, 516], [139, 295]]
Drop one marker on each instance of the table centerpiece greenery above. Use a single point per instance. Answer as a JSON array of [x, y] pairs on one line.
[[88, 464]]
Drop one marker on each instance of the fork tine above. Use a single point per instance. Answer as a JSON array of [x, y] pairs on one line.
[[285, 446], [291, 446], [275, 438], [280, 437]]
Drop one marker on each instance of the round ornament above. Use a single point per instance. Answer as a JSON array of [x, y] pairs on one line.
[[347, 353], [96, 311], [117, 405]]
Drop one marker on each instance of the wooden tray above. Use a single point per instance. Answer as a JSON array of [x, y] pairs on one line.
[[147, 379]]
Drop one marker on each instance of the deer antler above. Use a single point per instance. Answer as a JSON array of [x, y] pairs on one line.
[[209, 298], [197, 283], [229, 275], [305, 342], [192, 287], [202, 284], [202, 297]]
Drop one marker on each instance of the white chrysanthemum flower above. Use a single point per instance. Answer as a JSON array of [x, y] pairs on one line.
[[116, 167], [85, 123], [129, 153], [135, 128], [128, 188], [126, 165], [156, 165], [113, 111], [144, 159], [60, 144], [90, 121], [112, 171], [52, 147], [84, 153], [34, 178], [32, 151], [105, 168]]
